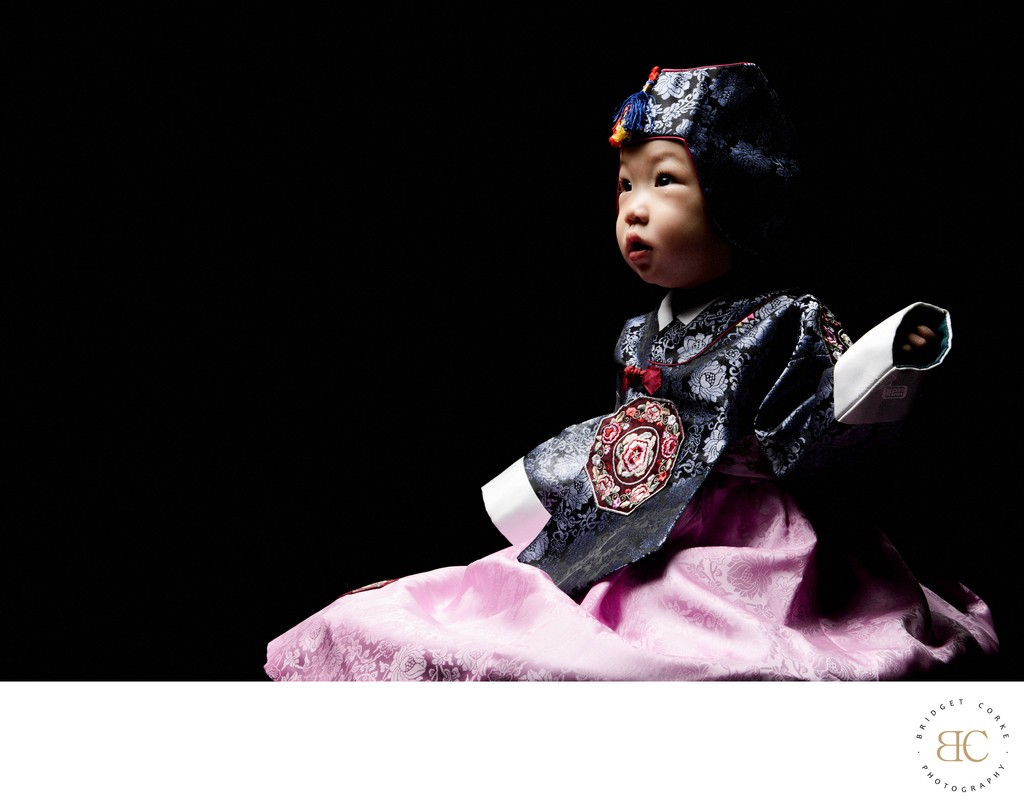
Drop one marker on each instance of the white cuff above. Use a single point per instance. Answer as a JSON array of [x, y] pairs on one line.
[[869, 387], [513, 505]]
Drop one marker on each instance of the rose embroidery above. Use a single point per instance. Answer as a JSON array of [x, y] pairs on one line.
[[610, 433], [634, 454]]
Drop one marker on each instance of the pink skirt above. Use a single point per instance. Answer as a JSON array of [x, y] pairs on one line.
[[745, 588]]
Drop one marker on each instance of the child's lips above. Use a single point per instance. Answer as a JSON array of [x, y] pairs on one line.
[[637, 249]]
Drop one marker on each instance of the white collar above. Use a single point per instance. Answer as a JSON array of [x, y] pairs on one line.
[[685, 316]]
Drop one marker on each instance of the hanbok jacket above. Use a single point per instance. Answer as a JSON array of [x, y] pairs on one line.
[[768, 385]]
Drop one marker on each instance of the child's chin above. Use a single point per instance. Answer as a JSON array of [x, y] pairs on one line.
[[647, 276]]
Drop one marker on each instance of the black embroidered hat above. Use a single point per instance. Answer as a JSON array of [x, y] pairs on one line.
[[742, 144]]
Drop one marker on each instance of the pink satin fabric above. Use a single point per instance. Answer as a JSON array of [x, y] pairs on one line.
[[742, 590]]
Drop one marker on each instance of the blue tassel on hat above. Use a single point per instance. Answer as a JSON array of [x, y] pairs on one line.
[[633, 112]]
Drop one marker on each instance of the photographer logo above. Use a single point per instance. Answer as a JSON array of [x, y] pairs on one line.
[[963, 746]]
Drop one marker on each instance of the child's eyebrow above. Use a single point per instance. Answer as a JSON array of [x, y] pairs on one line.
[[668, 161]]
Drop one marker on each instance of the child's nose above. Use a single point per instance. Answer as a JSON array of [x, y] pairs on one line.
[[636, 213]]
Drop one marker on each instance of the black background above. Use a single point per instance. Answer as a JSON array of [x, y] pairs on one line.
[[297, 285]]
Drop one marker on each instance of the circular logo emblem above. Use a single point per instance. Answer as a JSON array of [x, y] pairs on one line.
[[633, 452], [962, 746]]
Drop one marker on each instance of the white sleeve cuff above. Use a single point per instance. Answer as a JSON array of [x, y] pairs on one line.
[[513, 505], [869, 386]]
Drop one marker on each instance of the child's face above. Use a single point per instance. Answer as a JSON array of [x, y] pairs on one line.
[[662, 227]]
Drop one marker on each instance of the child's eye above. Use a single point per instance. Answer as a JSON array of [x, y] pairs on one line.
[[664, 179], [625, 185]]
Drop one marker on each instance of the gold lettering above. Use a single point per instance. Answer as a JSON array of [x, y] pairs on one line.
[[943, 744], [960, 744], [967, 742]]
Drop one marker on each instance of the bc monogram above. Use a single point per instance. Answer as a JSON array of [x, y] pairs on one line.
[[961, 745]]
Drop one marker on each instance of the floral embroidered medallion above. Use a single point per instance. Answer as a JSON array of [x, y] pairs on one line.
[[633, 452]]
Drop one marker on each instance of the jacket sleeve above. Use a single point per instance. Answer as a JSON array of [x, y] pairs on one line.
[[836, 400], [520, 498]]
